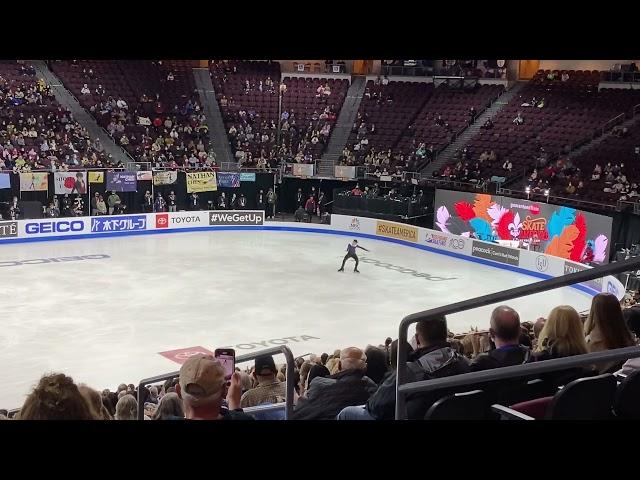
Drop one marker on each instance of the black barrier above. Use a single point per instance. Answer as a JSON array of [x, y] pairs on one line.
[[404, 388], [241, 359]]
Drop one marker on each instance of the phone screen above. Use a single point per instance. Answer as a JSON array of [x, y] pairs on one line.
[[228, 360]]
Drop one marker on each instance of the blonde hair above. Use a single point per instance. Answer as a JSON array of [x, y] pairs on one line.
[[563, 332], [127, 408]]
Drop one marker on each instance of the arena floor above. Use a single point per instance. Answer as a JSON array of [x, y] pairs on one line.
[[105, 320]]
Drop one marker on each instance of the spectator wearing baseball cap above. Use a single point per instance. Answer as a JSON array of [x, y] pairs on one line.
[[202, 388], [268, 389]]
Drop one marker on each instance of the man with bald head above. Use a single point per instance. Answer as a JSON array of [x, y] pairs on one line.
[[505, 333], [203, 388], [326, 396]]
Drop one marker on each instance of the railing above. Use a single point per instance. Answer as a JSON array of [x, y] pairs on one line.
[[241, 359], [620, 76], [609, 124], [558, 199], [404, 388], [456, 184], [635, 110]]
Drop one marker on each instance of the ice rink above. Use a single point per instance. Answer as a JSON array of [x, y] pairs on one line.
[[105, 319]]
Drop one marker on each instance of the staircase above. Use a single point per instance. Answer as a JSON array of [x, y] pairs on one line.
[[84, 118], [444, 157], [600, 139], [217, 131], [342, 128]]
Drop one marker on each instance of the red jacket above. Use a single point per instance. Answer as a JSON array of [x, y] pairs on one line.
[[310, 205]]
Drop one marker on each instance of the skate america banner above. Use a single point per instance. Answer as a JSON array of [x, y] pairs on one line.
[[122, 181], [399, 231], [70, 182], [201, 182], [555, 230]]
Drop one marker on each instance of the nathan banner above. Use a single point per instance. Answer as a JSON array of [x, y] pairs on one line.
[[144, 175], [122, 181], [247, 177], [342, 171], [397, 230], [201, 182], [70, 182], [236, 217], [33, 182], [228, 180], [165, 178], [552, 229], [96, 177], [302, 169], [489, 251], [5, 180]]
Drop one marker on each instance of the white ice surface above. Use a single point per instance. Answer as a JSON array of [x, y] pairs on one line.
[[104, 321]]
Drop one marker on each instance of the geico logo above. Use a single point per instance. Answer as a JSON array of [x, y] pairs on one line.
[[409, 271], [185, 219], [39, 261], [55, 227]]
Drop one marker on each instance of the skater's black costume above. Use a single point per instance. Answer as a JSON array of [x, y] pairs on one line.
[[351, 253]]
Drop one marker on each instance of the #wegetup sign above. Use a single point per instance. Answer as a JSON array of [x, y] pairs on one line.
[[122, 181], [70, 182]]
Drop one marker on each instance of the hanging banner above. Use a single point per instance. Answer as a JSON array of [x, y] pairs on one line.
[[247, 177], [33, 182], [96, 177], [165, 178], [5, 180], [201, 182], [144, 175], [122, 181], [70, 182], [302, 169], [228, 180]]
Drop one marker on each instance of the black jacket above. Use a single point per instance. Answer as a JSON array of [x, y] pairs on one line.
[[502, 357], [328, 396], [436, 361]]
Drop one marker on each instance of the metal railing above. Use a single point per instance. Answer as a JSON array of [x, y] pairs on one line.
[[609, 124], [404, 388], [635, 110], [290, 386], [557, 199]]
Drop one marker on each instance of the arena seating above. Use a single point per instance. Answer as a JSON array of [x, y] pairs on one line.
[[248, 93], [45, 133], [409, 120], [571, 116], [163, 122]]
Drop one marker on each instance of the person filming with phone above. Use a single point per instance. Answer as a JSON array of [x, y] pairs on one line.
[[203, 388], [268, 389]]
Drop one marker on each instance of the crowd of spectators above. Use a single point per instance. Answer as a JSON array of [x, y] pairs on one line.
[[150, 108], [36, 132], [359, 383]]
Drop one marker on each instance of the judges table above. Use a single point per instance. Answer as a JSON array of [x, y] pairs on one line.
[[399, 206]]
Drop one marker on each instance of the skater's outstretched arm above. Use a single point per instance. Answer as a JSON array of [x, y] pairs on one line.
[[358, 246]]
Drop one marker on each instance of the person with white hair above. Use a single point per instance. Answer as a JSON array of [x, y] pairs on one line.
[[203, 388], [327, 396]]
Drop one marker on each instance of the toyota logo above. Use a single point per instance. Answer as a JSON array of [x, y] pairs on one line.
[[542, 263], [456, 243]]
